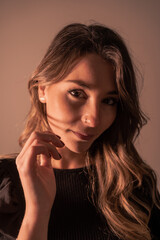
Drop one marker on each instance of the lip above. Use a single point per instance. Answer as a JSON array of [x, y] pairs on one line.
[[83, 136]]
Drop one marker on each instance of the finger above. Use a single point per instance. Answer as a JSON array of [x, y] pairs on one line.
[[49, 137], [49, 132], [38, 147], [51, 149], [45, 161], [28, 164]]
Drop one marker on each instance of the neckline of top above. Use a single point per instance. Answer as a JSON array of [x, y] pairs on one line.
[[70, 170]]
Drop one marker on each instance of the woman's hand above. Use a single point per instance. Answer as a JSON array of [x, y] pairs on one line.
[[37, 176]]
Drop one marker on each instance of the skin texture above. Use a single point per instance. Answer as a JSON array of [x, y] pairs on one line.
[[78, 113]]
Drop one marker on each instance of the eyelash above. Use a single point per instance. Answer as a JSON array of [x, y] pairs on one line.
[[112, 99], [79, 91], [72, 92]]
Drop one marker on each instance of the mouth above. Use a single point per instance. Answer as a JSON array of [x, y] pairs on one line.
[[83, 136]]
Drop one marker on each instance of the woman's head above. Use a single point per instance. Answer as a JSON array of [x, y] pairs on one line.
[[72, 44], [83, 105]]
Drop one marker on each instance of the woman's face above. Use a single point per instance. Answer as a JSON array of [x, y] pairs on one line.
[[84, 104]]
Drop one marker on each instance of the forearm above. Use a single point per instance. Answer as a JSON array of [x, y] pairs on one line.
[[34, 228]]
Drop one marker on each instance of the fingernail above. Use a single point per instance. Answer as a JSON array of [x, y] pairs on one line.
[[62, 142], [60, 155], [58, 136]]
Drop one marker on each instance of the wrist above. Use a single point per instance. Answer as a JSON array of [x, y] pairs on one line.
[[37, 216], [34, 227]]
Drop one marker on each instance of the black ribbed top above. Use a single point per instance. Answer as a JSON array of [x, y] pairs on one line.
[[74, 216]]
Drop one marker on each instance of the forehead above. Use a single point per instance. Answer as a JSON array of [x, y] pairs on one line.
[[93, 70]]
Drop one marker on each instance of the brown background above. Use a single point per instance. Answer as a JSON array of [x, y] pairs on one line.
[[27, 28]]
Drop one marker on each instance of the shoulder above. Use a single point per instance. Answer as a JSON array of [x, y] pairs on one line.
[[7, 171], [5, 163], [8, 174], [12, 202]]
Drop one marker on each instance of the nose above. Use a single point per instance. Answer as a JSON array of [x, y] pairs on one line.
[[91, 116]]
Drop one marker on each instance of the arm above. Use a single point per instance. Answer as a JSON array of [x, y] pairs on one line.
[[34, 227], [38, 183]]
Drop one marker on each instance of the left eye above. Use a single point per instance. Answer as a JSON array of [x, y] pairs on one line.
[[110, 101], [77, 93]]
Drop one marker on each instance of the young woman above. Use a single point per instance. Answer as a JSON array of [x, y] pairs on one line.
[[78, 175]]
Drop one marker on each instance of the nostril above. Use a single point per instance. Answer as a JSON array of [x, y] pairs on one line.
[[86, 120], [90, 120]]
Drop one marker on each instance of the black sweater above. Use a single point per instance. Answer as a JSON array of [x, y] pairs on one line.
[[73, 215]]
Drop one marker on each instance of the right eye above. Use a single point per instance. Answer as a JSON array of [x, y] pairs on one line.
[[76, 93]]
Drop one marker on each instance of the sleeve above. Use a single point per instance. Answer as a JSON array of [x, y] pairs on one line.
[[12, 204], [154, 223], [5, 237]]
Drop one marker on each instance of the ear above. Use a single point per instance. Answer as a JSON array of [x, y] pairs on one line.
[[42, 94]]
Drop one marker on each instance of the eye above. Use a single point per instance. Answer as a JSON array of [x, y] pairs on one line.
[[111, 101], [77, 93]]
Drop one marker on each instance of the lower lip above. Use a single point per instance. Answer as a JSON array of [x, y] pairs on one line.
[[82, 137]]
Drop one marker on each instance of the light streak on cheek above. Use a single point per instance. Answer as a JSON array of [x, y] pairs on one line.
[[56, 122]]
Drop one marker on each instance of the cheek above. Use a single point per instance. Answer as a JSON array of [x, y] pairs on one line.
[[61, 109]]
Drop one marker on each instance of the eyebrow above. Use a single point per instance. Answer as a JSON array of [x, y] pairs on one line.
[[89, 86]]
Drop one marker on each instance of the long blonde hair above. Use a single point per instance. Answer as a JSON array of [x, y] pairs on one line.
[[124, 185]]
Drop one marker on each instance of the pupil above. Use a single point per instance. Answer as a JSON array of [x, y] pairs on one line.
[[76, 93]]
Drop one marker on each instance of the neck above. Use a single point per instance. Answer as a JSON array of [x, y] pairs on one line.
[[69, 159]]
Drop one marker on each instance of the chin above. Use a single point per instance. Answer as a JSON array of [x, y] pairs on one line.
[[78, 148]]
